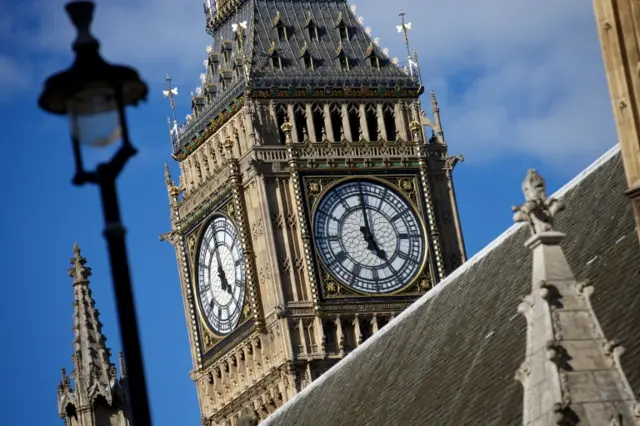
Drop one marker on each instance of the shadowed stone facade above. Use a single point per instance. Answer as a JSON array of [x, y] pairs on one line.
[[618, 23]]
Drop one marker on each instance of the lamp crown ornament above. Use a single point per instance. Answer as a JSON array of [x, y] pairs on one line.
[[81, 15]]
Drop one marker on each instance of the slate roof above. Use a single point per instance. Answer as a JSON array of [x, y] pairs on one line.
[[261, 18], [450, 359]]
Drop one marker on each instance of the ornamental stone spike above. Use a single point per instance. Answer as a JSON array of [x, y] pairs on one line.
[[94, 374], [571, 374], [167, 176]]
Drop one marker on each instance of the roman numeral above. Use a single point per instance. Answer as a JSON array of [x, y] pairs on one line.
[[396, 217], [356, 271], [340, 257], [405, 256], [376, 277]]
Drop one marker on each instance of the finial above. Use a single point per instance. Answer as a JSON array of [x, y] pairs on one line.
[[434, 101], [79, 272], [404, 28], [81, 15], [538, 209], [286, 129], [65, 383], [167, 175], [415, 126], [170, 92]]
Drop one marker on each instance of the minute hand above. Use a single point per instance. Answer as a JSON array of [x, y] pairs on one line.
[[223, 278], [366, 230], [364, 213]]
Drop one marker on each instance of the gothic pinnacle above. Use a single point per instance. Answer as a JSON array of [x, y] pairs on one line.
[[93, 374], [92, 366], [78, 271], [167, 176]]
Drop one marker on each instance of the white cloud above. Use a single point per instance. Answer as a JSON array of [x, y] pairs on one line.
[[12, 77], [536, 82]]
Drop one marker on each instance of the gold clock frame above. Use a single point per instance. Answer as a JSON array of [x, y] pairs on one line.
[[413, 205]]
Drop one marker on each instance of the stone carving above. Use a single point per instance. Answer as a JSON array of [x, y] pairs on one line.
[[538, 210]]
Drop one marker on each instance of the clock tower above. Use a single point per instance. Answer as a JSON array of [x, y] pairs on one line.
[[312, 205]]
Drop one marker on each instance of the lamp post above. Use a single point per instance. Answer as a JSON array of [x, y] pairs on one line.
[[94, 95]]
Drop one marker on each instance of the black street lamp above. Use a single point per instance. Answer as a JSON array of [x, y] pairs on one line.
[[94, 94]]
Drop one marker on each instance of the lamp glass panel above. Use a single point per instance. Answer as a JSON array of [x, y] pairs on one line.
[[94, 119]]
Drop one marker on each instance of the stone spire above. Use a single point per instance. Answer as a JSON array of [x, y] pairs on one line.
[[93, 376], [571, 374]]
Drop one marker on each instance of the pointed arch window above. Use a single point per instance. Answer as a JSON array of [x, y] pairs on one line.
[[281, 117], [300, 121], [344, 62], [276, 62], [373, 57], [353, 114], [311, 27], [274, 58], [341, 27], [239, 29], [282, 32], [317, 114], [226, 51], [343, 31], [389, 119], [342, 58], [335, 112], [306, 57], [308, 61], [280, 27], [371, 116]]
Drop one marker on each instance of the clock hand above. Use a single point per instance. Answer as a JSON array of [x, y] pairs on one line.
[[223, 278], [366, 229]]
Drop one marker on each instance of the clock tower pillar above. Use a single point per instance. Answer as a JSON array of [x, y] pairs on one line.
[[312, 205]]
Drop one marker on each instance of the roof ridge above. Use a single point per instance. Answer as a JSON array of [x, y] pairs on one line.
[[573, 183]]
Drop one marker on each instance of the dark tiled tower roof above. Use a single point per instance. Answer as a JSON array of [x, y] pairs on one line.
[[451, 358], [260, 46]]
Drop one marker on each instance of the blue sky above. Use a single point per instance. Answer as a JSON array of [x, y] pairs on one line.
[[520, 85]]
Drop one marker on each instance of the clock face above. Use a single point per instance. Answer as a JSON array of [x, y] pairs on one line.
[[369, 237], [221, 275]]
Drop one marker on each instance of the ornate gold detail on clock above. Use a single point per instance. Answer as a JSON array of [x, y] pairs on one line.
[[208, 339], [192, 245], [315, 186], [246, 309], [230, 210], [333, 288]]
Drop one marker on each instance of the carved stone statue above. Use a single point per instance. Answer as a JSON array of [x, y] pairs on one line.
[[538, 210]]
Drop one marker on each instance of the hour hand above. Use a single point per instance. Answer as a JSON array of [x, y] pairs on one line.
[[223, 279], [377, 250]]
